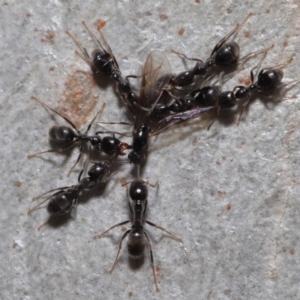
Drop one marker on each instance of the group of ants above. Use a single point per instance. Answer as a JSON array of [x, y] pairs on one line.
[[164, 100]]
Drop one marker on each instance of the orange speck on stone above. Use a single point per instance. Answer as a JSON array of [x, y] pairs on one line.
[[181, 31], [79, 99], [18, 183], [100, 24], [163, 17]]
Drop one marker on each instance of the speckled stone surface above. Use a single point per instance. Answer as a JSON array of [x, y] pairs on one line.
[[231, 193]]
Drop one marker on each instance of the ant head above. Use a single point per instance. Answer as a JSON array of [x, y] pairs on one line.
[[138, 190], [227, 100], [113, 146], [102, 62], [241, 92], [136, 158]]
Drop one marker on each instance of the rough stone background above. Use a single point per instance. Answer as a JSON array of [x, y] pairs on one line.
[[231, 193]]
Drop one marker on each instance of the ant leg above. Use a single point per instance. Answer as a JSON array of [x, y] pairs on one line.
[[152, 185], [291, 86], [57, 189], [84, 166], [78, 159], [29, 156], [120, 246], [280, 66], [85, 56], [128, 199], [132, 76], [45, 105], [152, 260], [106, 49], [42, 225], [106, 231], [235, 30], [185, 57], [227, 77], [115, 123], [146, 182], [114, 132], [98, 113], [257, 67], [178, 239], [254, 54], [97, 42], [213, 121], [242, 110], [38, 206]]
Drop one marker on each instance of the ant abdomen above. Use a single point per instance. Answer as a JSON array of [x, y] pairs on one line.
[[61, 134], [269, 78], [228, 54], [61, 203], [136, 243]]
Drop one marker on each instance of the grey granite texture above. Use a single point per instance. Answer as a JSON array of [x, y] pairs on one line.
[[231, 193]]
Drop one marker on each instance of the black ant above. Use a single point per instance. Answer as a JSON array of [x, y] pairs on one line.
[[138, 238], [153, 81], [268, 80], [224, 54], [64, 199], [70, 135], [155, 78], [104, 62]]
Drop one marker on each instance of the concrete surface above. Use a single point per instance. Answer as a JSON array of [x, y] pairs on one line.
[[231, 193]]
